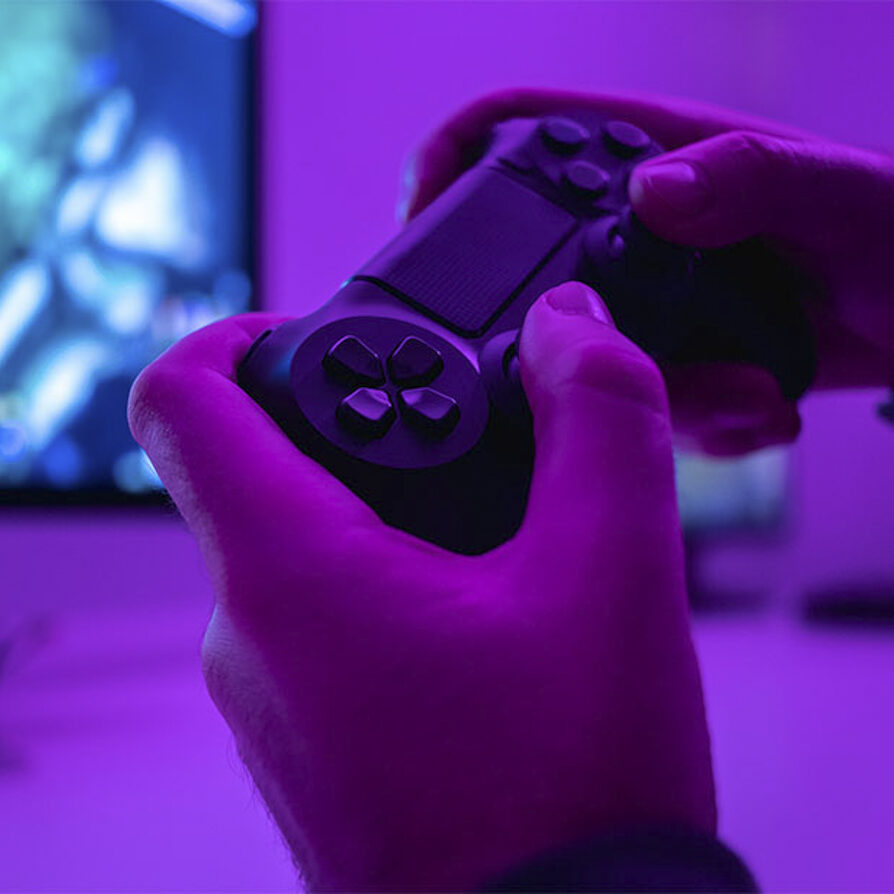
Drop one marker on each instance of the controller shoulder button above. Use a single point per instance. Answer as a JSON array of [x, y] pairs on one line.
[[625, 139], [366, 413], [429, 411], [353, 362], [586, 179], [414, 362], [562, 135], [255, 345]]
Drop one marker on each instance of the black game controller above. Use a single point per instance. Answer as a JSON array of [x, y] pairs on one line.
[[406, 384]]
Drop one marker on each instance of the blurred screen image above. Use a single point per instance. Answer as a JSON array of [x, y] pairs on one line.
[[126, 220], [720, 496]]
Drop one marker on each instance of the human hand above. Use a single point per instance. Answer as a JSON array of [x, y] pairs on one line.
[[417, 719], [728, 177]]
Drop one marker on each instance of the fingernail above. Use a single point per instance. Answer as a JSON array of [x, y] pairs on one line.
[[678, 184], [407, 189], [577, 298]]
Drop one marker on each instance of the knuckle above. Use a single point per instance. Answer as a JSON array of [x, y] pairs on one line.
[[757, 179], [759, 153], [213, 664], [747, 143], [619, 370], [150, 394], [227, 668], [142, 397]]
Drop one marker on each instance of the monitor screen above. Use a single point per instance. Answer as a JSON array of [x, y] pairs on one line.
[[126, 218]]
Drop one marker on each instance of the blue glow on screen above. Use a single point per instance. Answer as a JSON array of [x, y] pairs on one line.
[[125, 217]]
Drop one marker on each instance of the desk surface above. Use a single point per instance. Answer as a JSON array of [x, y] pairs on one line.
[[117, 773]]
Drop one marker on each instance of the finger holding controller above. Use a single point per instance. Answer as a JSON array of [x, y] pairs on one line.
[[828, 205]]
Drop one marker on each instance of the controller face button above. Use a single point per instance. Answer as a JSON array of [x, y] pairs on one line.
[[625, 139], [562, 135], [414, 362], [351, 361], [586, 179], [366, 413], [429, 411]]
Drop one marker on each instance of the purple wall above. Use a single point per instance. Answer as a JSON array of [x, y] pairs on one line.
[[348, 89]]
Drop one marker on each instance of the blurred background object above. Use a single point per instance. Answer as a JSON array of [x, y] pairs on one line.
[[118, 773], [125, 221]]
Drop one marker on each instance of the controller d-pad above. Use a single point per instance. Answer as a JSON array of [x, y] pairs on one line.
[[353, 362], [586, 179], [625, 139], [429, 411], [562, 135], [414, 362], [366, 413], [393, 425]]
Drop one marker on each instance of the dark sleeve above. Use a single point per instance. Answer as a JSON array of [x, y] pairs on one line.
[[640, 860]]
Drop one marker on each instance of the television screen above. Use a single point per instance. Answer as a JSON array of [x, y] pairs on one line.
[[126, 217]]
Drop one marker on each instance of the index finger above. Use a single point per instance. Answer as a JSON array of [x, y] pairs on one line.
[[228, 466], [672, 122]]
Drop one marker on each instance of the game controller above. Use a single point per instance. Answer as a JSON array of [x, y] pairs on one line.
[[406, 384]]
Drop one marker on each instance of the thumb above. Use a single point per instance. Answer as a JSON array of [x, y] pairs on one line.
[[603, 456], [742, 184]]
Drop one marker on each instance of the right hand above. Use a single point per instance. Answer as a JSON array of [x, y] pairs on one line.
[[728, 177], [421, 720]]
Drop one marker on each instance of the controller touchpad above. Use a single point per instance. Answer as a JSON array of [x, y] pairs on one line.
[[476, 255]]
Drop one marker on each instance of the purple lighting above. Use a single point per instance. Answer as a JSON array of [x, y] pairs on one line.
[[116, 773]]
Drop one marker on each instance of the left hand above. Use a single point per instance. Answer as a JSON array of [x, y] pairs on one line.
[[723, 409]]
